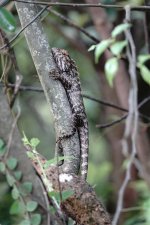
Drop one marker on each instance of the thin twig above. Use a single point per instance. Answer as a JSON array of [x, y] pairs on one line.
[[146, 28], [102, 102], [46, 200], [106, 125], [22, 87], [16, 89], [38, 89], [78, 5], [143, 102], [10, 139], [147, 41], [131, 209], [74, 25], [132, 120]]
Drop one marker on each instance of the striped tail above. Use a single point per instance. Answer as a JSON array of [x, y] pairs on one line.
[[84, 144]]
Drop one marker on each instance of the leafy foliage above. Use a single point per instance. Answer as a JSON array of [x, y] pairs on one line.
[[36, 219], [33, 143], [2, 148], [25, 188], [111, 68], [31, 206], [7, 20], [11, 163], [119, 29], [100, 48], [19, 191], [145, 72], [55, 161], [116, 48], [64, 195], [2, 167], [17, 208]]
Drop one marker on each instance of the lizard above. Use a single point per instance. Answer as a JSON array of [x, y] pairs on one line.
[[69, 77]]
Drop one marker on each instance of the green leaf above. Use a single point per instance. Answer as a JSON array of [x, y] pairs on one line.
[[125, 164], [34, 142], [51, 162], [101, 47], [55, 195], [25, 188], [145, 73], [31, 206], [7, 20], [111, 68], [2, 148], [10, 179], [1, 143], [25, 222], [36, 219], [52, 209], [18, 174], [91, 48], [2, 167], [15, 193], [67, 194], [143, 58], [119, 29], [11, 163], [31, 155], [17, 208], [54, 161], [117, 47], [2, 151]]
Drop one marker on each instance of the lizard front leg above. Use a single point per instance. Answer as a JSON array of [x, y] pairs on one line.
[[56, 75]]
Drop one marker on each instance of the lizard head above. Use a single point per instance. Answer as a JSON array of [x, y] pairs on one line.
[[62, 59]]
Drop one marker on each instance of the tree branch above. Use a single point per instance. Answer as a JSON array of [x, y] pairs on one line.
[[82, 205], [53, 90]]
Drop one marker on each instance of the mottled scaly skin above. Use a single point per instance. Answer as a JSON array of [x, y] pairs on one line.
[[69, 77]]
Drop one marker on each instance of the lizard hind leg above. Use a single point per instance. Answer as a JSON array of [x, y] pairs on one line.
[[59, 148]]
